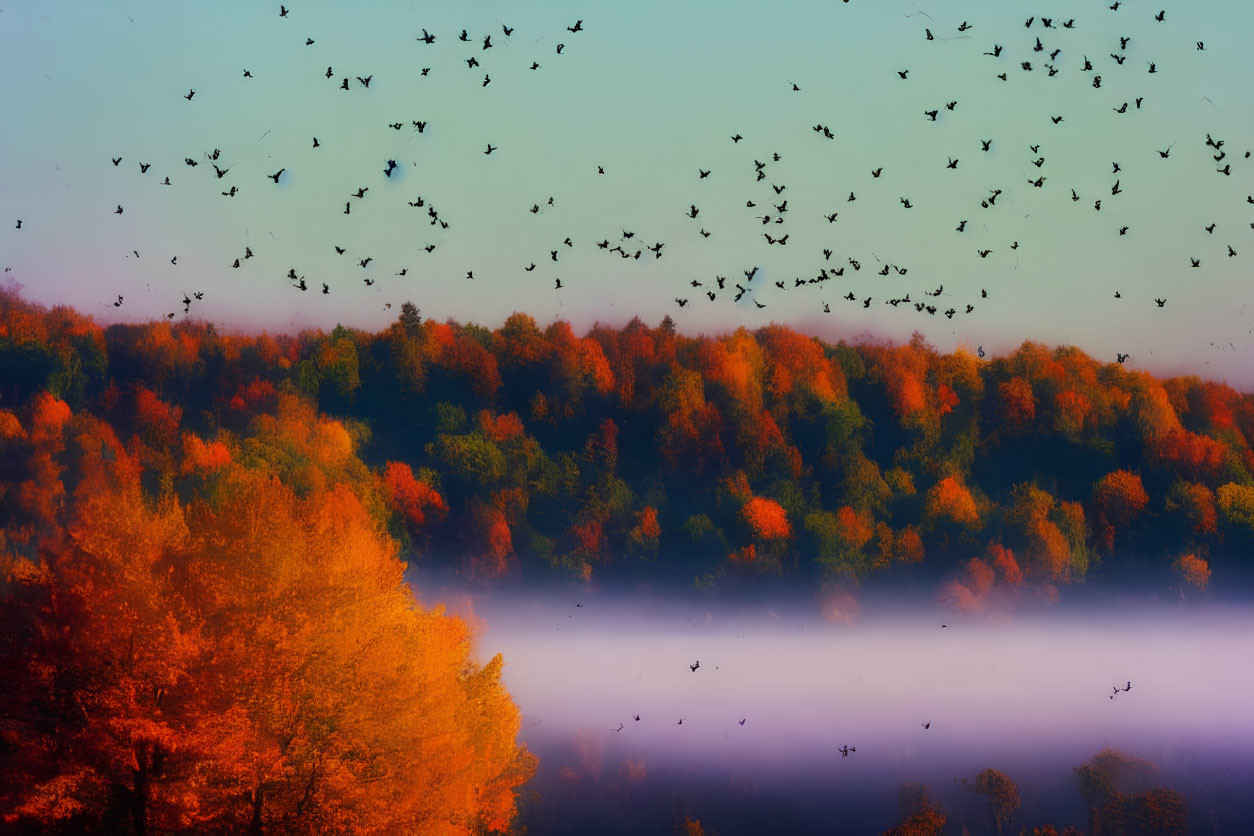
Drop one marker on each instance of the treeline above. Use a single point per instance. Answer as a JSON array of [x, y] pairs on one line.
[[1122, 796], [638, 450], [1119, 790]]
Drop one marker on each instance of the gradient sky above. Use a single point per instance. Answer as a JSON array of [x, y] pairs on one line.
[[652, 91]]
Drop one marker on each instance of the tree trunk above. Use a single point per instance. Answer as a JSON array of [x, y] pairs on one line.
[[254, 826], [139, 798]]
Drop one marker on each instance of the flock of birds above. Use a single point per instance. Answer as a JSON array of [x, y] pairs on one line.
[[844, 749], [1046, 47]]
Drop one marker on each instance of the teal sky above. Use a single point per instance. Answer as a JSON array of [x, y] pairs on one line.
[[651, 91]]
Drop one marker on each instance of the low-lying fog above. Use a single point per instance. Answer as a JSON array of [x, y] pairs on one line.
[[1028, 693]]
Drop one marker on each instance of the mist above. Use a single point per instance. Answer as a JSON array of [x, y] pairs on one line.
[[1025, 687]]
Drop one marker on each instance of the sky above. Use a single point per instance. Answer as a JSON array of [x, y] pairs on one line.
[[651, 92]]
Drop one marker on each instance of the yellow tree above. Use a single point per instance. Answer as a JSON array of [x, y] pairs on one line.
[[357, 710], [252, 661]]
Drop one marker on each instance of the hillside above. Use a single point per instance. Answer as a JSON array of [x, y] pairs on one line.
[[639, 451]]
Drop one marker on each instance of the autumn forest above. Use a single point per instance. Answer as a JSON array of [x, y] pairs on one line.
[[206, 619]]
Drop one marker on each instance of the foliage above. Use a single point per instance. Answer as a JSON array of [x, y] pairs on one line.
[[627, 449], [1119, 791], [921, 816], [227, 650], [1003, 796], [1194, 570]]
